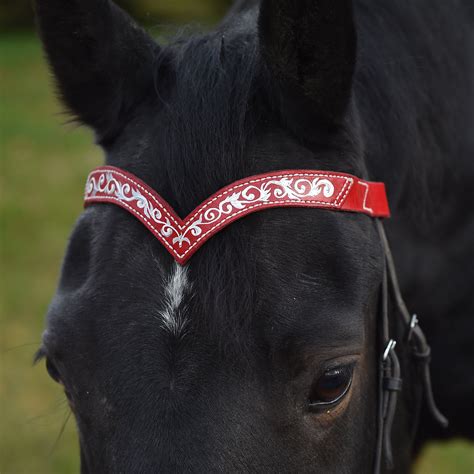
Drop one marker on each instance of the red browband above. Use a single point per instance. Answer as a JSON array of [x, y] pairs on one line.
[[289, 188]]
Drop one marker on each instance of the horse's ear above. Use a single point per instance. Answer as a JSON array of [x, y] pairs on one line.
[[101, 59], [309, 47]]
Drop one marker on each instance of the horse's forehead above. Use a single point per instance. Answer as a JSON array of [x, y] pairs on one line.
[[318, 269], [309, 267]]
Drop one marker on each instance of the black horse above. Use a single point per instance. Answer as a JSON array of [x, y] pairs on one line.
[[261, 354]]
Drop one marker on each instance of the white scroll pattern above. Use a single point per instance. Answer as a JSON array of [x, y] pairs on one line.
[[296, 189]]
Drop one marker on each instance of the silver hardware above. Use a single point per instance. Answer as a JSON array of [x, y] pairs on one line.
[[390, 347], [413, 324]]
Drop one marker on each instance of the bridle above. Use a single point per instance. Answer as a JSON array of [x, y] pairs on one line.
[[390, 381], [289, 188]]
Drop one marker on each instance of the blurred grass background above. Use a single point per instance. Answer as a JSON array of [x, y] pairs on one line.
[[44, 163]]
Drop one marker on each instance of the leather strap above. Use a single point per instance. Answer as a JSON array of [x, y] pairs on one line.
[[421, 350], [289, 188], [390, 381]]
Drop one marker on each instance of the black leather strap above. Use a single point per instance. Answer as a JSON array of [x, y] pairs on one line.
[[390, 381]]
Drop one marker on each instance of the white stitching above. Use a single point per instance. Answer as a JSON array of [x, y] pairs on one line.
[[366, 186], [141, 216], [144, 190], [220, 223], [214, 227], [199, 209], [339, 200], [285, 201], [348, 185]]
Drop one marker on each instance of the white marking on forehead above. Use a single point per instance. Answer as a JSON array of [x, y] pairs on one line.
[[177, 285]]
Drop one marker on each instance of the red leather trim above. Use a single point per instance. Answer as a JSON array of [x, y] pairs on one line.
[[288, 188]]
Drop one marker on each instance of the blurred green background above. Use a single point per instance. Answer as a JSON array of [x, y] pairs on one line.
[[44, 163]]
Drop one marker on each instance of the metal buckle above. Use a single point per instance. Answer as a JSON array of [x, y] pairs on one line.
[[413, 324], [390, 347]]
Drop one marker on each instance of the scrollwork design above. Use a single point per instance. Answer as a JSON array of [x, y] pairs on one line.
[[284, 188], [108, 185]]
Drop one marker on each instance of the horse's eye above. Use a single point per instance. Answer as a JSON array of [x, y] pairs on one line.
[[330, 388], [53, 371]]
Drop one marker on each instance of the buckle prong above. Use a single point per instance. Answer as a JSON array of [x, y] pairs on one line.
[[390, 347], [413, 324]]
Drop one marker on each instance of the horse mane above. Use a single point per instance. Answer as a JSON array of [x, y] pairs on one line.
[[410, 126], [210, 113], [210, 116]]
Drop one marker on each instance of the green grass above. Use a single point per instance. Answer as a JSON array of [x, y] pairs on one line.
[[44, 166]]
